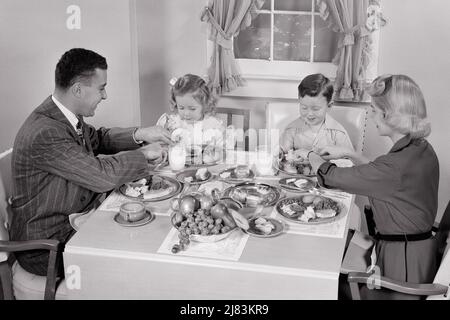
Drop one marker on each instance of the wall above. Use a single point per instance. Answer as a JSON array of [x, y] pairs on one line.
[[416, 42], [34, 36], [171, 42]]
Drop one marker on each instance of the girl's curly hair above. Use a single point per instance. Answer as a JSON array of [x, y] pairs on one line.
[[191, 83]]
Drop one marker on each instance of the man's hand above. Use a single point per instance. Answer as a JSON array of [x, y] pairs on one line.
[[154, 153], [153, 134], [331, 152]]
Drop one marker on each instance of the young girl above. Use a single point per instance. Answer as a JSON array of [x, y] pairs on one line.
[[191, 119], [315, 128]]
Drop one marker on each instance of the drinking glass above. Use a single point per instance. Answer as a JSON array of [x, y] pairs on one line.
[[264, 159], [177, 157]]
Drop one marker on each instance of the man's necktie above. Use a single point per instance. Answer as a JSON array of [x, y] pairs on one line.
[[80, 131]]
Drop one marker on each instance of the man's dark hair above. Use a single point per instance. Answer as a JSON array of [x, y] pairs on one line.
[[316, 84], [77, 65]]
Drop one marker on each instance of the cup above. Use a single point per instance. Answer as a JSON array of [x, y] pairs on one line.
[[132, 211], [177, 157]]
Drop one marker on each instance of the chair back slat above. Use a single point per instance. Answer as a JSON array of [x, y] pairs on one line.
[[352, 118], [245, 113]]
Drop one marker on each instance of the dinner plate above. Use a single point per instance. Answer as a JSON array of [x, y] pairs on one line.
[[120, 220], [278, 166], [261, 194], [233, 178], [254, 231], [289, 203], [191, 173], [289, 184], [174, 184]]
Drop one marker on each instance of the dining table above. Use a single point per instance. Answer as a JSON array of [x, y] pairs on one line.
[[107, 260]]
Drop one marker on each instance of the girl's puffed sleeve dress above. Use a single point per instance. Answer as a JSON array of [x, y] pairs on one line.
[[402, 187]]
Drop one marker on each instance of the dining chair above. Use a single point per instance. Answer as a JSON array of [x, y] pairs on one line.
[[16, 282], [439, 289], [353, 119], [245, 113]]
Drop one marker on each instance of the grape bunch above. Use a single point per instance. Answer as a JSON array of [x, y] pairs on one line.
[[202, 223], [183, 243]]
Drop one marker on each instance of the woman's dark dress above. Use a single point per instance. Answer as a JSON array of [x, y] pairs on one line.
[[402, 187]]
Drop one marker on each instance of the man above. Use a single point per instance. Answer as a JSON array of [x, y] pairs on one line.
[[56, 165]]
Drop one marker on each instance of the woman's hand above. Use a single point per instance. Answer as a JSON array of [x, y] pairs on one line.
[[315, 161], [331, 152]]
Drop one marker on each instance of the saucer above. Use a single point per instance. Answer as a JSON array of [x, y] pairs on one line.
[[148, 218]]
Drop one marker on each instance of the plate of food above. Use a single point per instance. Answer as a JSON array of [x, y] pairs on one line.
[[237, 174], [297, 184], [292, 164], [194, 176], [310, 209], [253, 194], [265, 227], [199, 218], [152, 188]]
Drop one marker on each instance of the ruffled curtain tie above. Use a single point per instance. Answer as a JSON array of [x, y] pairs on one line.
[[223, 39]]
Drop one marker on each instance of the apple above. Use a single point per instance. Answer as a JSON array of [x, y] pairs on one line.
[[206, 202], [219, 210], [179, 217], [188, 204]]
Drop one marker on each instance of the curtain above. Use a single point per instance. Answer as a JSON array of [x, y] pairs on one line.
[[225, 19], [348, 18]]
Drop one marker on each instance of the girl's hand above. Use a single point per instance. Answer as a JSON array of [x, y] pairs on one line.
[[331, 152]]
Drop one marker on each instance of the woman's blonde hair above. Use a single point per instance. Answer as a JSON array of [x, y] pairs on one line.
[[191, 83], [403, 104]]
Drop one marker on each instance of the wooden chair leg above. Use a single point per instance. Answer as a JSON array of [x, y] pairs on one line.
[[6, 280], [50, 285], [354, 289]]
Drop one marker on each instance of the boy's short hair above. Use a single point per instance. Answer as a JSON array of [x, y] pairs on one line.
[[77, 64], [315, 84], [403, 104], [191, 83]]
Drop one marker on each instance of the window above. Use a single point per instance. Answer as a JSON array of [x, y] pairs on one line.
[[287, 39]]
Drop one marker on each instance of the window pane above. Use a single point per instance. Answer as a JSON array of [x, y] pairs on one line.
[[292, 37], [293, 5], [267, 5], [254, 42], [325, 41]]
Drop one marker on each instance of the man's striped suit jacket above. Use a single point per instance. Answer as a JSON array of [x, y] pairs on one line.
[[56, 174]]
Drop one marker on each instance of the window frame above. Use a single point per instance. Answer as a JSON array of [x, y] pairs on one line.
[[279, 79], [284, 69]]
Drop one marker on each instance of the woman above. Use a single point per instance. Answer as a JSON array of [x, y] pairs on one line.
[[402, 186]]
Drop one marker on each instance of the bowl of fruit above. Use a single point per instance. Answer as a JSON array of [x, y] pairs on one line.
[[198, 217]]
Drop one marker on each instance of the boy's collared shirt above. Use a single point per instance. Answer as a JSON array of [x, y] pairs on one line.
[[332, 133]]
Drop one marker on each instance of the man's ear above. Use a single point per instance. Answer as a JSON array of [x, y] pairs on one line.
[[76, 90]]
